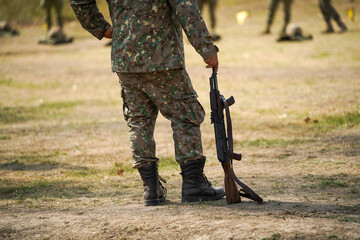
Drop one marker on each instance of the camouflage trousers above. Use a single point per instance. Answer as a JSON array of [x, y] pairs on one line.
[[212, 6], [48, 5], [328, 11], [171, 93], [273, 5]]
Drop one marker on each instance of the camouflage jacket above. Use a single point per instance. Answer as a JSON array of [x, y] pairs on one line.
[[147, 35]]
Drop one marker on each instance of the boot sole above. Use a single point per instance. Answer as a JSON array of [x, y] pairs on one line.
[[202, 198], [154, 202]]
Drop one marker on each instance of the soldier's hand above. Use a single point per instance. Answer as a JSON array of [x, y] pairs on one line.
[[108, 33], [212, 62]]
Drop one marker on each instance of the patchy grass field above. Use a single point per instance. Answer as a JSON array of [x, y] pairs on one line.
[[65, 164]]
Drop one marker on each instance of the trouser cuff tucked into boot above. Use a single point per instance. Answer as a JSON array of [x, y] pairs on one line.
[[195, 185], [154, 192]]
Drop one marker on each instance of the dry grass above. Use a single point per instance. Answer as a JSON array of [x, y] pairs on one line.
[[63, 138]]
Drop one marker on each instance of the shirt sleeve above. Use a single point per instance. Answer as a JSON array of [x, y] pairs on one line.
[[188, 14], [89, 17]]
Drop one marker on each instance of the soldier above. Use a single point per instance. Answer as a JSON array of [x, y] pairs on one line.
[[7, 30], [212, 7], [48, 5], [328, 12], [272, 9], [148, 56]]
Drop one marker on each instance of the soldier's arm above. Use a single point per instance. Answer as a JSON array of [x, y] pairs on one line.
[[89, 17], [189, 16]]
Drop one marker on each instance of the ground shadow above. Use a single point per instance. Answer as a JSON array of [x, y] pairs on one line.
[[305, 209], [49, 189], [18, 114], [46, 165]]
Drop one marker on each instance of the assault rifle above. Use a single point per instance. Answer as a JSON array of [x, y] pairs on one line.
[[224, 144]]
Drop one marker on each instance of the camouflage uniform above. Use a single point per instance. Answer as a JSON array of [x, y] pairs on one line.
[[329, 12], [47, 5], [273, 4], [172, 93], [148, 56]]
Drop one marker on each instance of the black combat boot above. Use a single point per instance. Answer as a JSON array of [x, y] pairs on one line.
[[154, 192], [195, 185]]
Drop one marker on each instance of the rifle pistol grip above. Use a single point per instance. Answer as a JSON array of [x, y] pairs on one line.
[[237, 156], [230, 101]]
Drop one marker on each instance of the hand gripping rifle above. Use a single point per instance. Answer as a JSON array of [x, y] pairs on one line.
[[224, 144]]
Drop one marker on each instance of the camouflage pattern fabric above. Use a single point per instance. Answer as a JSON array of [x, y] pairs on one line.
[[328, 11], [48, 5], [171, 92], [273, 5], [147, 35], [212, 6]]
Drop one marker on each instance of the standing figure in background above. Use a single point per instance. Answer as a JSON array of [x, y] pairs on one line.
[[48, 5], [273, 4], [53, 35], [329, 12], [212, 8]]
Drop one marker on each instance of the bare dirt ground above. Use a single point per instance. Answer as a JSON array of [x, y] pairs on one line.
[[65, 163]]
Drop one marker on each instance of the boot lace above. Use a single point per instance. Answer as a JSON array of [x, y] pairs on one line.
[[206, 180], [161, 179], [162, 188]]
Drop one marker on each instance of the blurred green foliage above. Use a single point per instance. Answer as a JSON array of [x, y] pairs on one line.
[[29, 11]]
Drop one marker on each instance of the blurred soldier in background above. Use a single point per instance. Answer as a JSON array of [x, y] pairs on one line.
[[329, 12], [48, 5], [295, 33], [273, 4], [212, 7], [7, 30], [53, 35]]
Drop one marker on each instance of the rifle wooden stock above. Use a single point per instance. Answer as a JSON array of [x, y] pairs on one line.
[[232, 193]]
